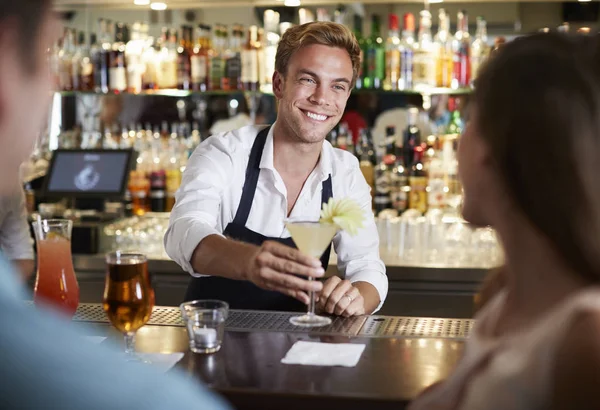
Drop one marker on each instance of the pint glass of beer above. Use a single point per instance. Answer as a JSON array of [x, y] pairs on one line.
[[128, 295]]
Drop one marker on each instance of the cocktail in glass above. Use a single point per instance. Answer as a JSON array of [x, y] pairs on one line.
[[312, 239], [55, 283], [128, 295]]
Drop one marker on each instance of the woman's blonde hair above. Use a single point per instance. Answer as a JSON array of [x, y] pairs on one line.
[[323, 33]]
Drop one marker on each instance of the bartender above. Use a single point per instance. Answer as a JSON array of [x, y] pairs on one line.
[[227, 228], [15, 237]]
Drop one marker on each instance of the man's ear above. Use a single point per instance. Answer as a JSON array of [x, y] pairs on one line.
[[278, 84]]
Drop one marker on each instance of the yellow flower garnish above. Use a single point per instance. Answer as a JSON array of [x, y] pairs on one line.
[[345, 213]]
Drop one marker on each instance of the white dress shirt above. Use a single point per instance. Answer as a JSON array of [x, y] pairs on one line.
[[211, 189], [15, 237]]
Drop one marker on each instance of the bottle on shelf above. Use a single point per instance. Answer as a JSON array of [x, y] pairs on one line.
[[434, 166], [134, 50], [480, 49], [139, 189], [78, 50], [217, 60], [158, 191], [271, 23], [365, 163], [184, 51], [167, 73], [383, 181], [400, 187], [418, 182], [200, 57], [374, 57], [358, 26], [407, 46], [86, 65], [462, 53], [117, 65], [424, 74], [392, 55], [443, 51], [101, 57], [150, 61], [65, 57], [250, 53], [412, 136], [231, 81]]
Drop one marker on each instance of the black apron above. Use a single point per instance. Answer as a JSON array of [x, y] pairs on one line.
[[244, 294]]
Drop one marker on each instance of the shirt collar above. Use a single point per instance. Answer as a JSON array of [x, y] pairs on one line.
[[323, 169]]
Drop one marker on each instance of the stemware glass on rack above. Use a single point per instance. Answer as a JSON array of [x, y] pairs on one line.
[[128, 295], [312, 238]]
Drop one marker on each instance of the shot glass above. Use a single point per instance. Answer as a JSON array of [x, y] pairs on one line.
[[205, 323]]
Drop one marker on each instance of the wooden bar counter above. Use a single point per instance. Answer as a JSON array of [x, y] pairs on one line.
[[403, 355]]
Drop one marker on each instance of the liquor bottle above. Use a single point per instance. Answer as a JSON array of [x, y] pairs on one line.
[[443, 51], [250, 70], [134, 50], [412, 136], [455, 126], [158, 191], [407, 46], [418, 182], [365, 163], [400, 188], [271, 23], [383, 181], [199, 59], [436, 186], [184, 51], [78, 46], [233, 64], [358, 23], [375, 57], [392, 55], [167, 61], [462, 53], [217, 59], [65, 57], [150, 61], [100, 56], [118, 67], [424, 58], [86, 71], [480, 50]]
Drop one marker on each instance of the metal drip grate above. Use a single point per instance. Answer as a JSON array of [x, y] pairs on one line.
[[242, 320], [392, 326], [364, 326], [161, 315]]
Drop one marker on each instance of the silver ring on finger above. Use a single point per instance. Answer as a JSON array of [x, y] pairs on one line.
[[350, 298]]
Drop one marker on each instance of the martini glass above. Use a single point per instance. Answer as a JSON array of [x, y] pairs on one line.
[[312, 239]]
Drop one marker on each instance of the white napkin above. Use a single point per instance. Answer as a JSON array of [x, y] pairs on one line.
[[324, 354], [95, 339], [162, 362]]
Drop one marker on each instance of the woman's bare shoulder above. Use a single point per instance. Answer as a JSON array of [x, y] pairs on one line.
[[576, 381]]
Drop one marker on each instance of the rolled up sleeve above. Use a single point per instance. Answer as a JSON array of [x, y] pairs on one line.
[[15, 236], [358, 256], [198, 201]]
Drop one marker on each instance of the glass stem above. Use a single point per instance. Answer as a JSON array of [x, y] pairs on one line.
[[130, 343], [311, 295]]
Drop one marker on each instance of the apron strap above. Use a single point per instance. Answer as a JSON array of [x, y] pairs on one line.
[[252, 173], [325, 195]]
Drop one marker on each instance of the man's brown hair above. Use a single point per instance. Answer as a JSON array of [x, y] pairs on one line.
[[28, 17], [323, 33]]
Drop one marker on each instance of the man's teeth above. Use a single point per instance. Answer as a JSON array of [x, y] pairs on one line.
[[316, 116]]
